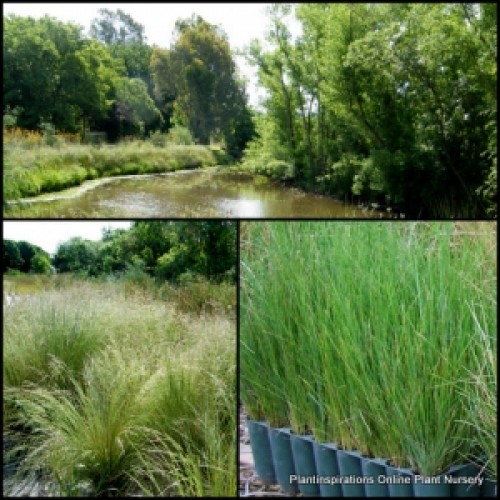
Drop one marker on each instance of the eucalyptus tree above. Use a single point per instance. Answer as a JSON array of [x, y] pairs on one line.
[[196, 78]]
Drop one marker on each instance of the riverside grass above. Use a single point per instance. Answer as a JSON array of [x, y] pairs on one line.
[[367, 334], [144, 403], [41, 169]]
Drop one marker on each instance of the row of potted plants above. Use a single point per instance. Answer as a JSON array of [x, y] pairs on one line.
[[298, 463], [378, 337]]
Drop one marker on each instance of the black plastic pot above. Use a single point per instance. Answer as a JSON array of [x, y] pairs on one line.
[[373, 469], [284, 465], [489, 487], [305, 464], [468, 471], [443, 485], [261, 450], [351, 473], [399, 481], [431, 486], [328, 469]]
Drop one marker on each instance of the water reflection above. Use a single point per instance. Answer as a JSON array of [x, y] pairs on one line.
[[208, 193], [251, 209]]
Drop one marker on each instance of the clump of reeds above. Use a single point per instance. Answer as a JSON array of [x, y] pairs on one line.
[[360, 332]]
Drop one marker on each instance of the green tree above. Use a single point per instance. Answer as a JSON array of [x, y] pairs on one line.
[[126, 42], [196, 80], [12, 259], [112, 27], [394, 103], [30, 62], [27, 252], [77, 255], [52, 74], [40, 264], [25, 257], [137, 106]]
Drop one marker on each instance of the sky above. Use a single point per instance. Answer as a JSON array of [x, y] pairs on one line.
[[49, 234], [242, 22]]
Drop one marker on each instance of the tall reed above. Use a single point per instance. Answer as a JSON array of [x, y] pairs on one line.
[[361, 331]]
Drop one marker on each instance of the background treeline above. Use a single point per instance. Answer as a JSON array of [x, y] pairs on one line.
[[25, 257], [167, 250], [387, 103], [57, 78]]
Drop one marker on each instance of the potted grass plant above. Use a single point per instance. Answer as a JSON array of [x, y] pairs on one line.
[[328, 469], [261, 451], [374, 314], [261, 384]]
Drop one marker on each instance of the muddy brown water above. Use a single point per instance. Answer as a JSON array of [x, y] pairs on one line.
[[209, 193]]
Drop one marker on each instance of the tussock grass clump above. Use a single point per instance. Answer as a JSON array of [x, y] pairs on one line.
[[366, 333], [107, 403]]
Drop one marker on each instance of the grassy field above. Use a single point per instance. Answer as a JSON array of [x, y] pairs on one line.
[[32, 167], [378, 336], [116, 388]]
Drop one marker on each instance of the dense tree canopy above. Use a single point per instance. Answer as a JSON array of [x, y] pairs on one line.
[[393, 103], [165, 250], [114, 82], [24, 257], [52, 73]]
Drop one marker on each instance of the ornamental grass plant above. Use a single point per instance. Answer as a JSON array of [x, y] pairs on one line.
[[367, 334], [102, 403]]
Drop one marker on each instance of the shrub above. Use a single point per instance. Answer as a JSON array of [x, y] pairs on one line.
[[178, 136], [158, 139]]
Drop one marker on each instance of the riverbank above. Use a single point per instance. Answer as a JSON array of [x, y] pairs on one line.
[[46, 169]]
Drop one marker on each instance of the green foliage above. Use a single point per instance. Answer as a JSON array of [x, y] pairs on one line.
[[25, 257], [11, 256], [409, 89], [158, 139], [138, 105], [178, 135], [196, 80], [265, 154], [40, 264], [116, 27], [343, 178], [76, 255], [49, 134], [45, 169], [53, 74], [165, 250]]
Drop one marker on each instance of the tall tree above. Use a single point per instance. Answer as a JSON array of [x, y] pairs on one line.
[[116, 27], [12, 259], [394, 103], [53, 74], [198, 75]]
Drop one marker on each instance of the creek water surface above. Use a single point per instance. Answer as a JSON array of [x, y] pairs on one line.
[[208, 193]]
